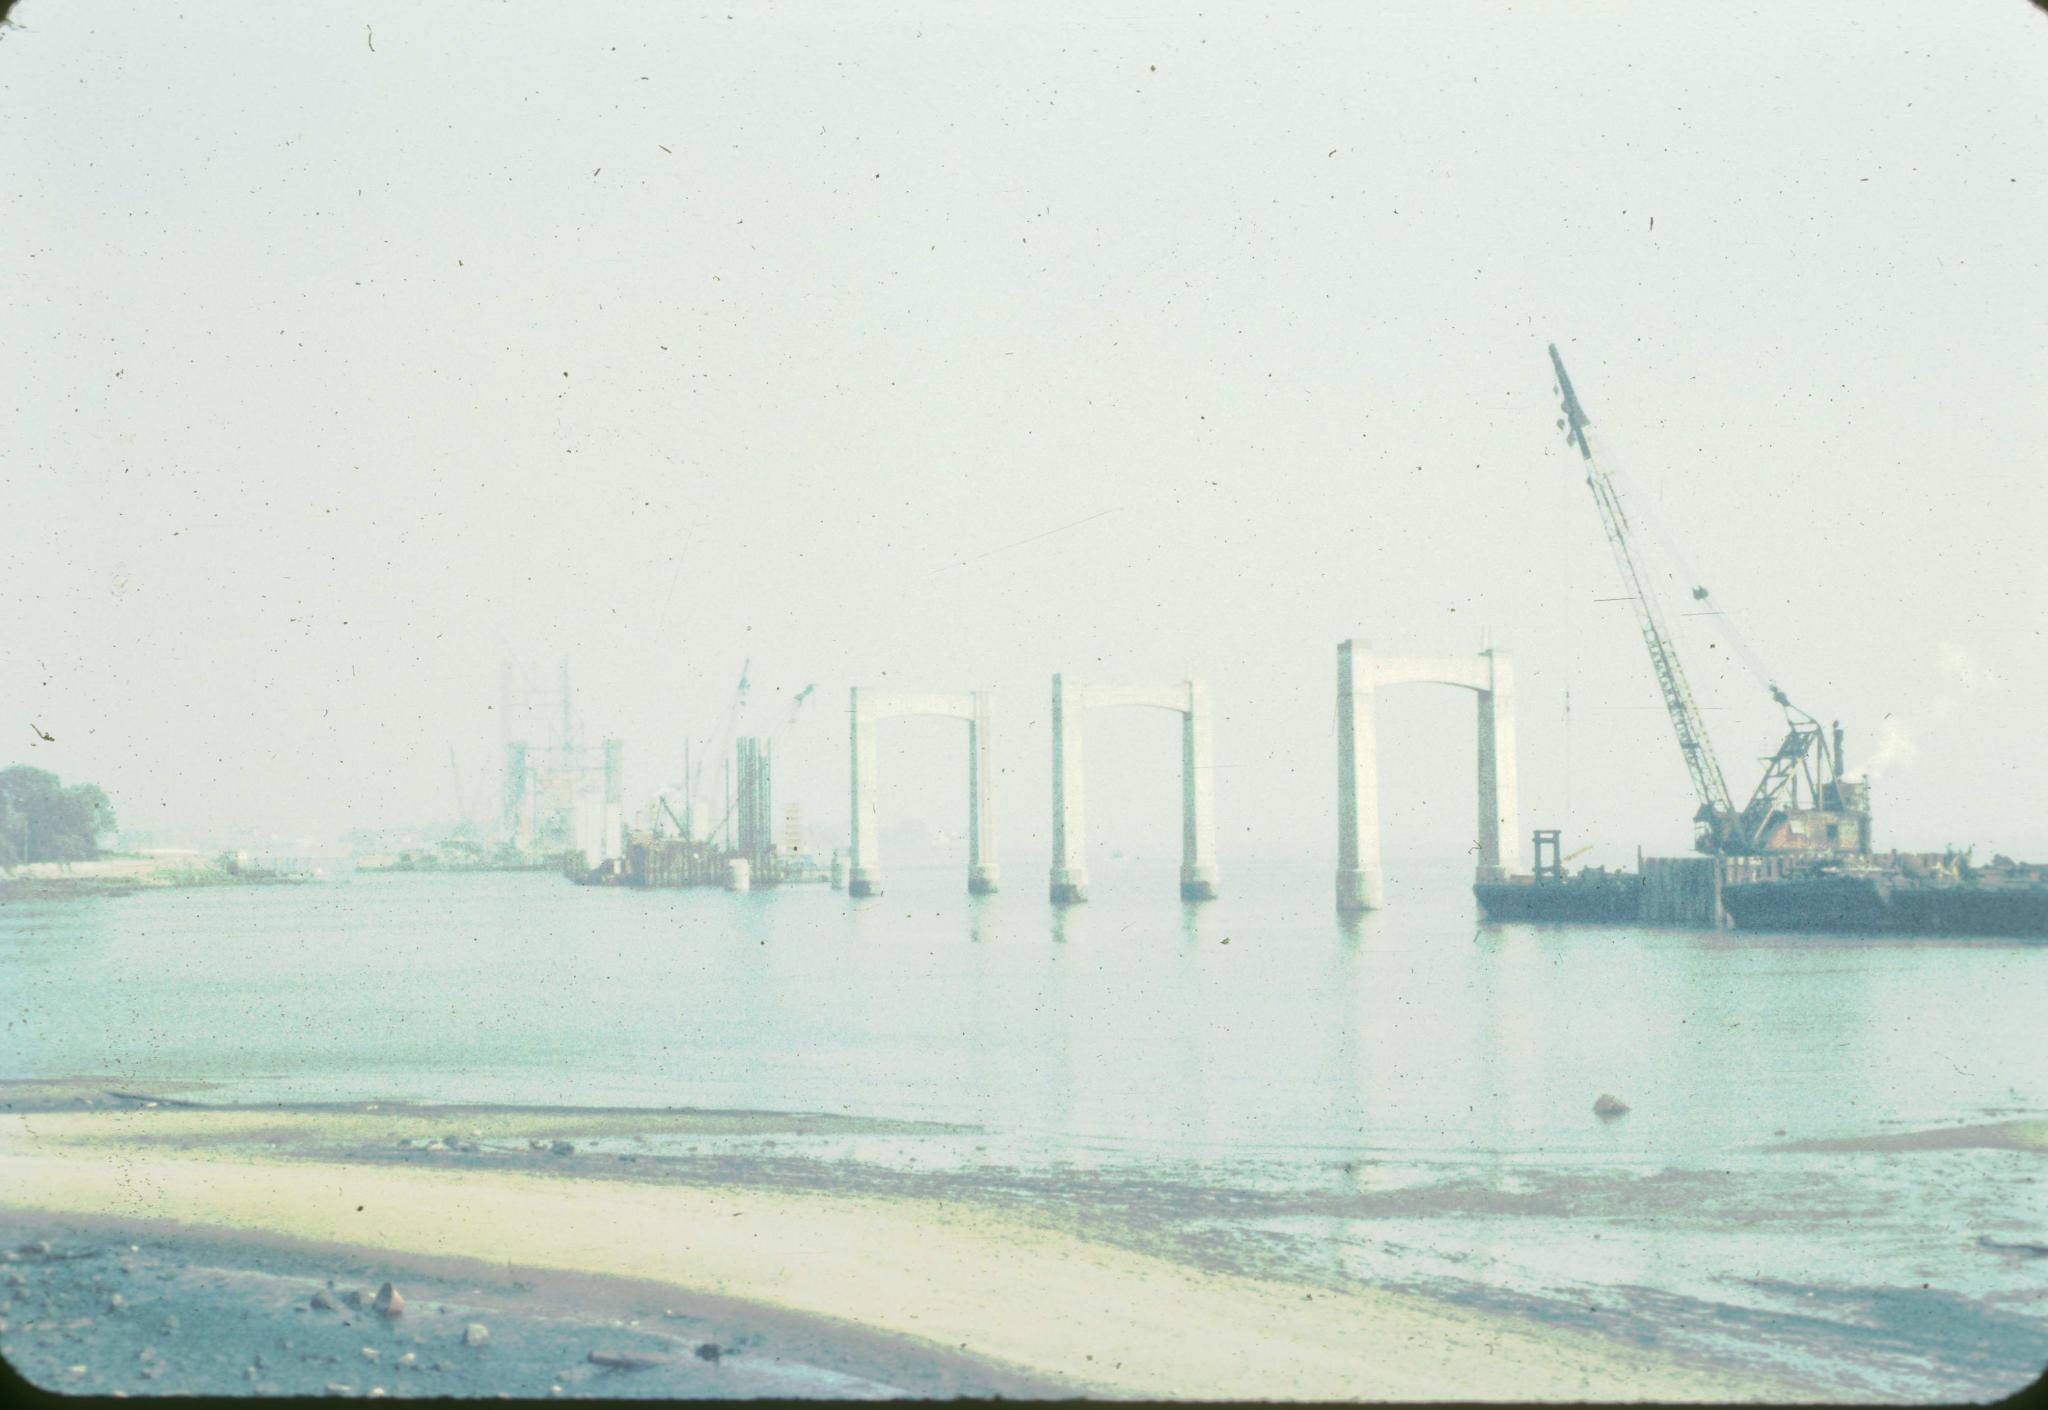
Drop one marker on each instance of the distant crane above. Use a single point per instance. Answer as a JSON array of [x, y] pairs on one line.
[[461, 793], [725, 736], [794, 706], [731, 802], [1770, 820]]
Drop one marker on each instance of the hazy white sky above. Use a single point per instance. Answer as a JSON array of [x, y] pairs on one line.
[[353, 350]]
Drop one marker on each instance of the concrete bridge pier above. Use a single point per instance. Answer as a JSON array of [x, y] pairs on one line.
[[1499, 834], [1360, 675], [1361, 885], [1069, 801], [866, 708], [864, 856], [1190, 700], [1197, 799], [983, 877]]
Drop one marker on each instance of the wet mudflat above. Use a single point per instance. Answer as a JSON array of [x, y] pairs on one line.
[[1713, 1264], [90, 1310]]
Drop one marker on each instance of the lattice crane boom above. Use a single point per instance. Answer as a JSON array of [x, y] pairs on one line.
[[1717, 810]]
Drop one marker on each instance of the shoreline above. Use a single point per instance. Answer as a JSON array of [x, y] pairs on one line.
[[884, 1282], [2022, 1134], [69, 888]]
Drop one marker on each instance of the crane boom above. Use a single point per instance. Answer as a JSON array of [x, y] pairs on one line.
[[1717, 811], [461, 793]]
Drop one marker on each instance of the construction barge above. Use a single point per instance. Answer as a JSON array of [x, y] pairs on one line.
[[1903, 894], [740, 854], [1797, 856], [1890, 893]]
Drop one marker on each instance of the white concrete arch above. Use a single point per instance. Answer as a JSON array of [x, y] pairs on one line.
[[1361, 884], [866, 708], [1071, 699]]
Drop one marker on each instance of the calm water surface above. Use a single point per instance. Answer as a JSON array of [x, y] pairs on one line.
[[1406, 1099]]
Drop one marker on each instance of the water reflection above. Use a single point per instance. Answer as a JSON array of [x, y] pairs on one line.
[[1127, 1015], [1067, 922], [982, 924]]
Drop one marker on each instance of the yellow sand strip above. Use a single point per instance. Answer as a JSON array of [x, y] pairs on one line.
[[960, 1278]]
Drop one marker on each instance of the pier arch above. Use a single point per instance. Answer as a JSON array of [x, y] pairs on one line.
[[1361, 884], [1071, 700], [867, 708]]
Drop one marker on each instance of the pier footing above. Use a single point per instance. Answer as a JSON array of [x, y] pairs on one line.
[[1069, 886], [1360, 889]]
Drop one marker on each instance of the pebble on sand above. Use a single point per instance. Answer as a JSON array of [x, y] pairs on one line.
[[1609, 1106], [321, 1302], [475, 1334], [388, 1302], [709, 1351]]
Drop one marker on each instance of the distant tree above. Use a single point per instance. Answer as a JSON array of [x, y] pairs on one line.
[[43, 821]]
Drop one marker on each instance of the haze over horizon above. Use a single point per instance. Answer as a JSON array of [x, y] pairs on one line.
[[357, 353]]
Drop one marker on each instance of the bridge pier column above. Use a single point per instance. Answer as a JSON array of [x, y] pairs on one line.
[[1361, 885], [1499, 832], [982, 877], [864, 864], [1069, 814], [1197, 799]]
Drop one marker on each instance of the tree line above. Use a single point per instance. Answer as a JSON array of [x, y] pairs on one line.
[[41, 820]]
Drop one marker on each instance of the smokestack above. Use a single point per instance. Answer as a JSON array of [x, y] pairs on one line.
[[1838, 748]]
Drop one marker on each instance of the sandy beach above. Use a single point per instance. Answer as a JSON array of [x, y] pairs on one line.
[[907, 1295]]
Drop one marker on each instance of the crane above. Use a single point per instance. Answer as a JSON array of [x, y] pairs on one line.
[[731, 803], [461, 794], [1770, 820], [732, 716]]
